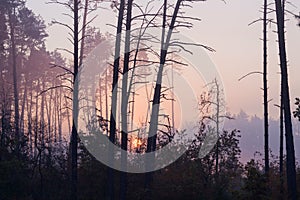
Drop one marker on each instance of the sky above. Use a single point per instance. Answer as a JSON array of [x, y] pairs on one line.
[[224, 27]]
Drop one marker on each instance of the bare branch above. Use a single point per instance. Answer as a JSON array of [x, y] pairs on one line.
[[256, 72]]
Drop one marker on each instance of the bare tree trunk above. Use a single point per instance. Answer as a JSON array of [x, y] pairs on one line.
[[36, 129], [124, 103], [42, 121], [59, 116], [165, 42], [290, 164], [132, 108], [218, 129], [74, 137], [100, 97], [173, 101], [281, 131], [15, 78], [112, 135], [29, 120], [49, 113], [281, 149], [68, 115], [106, 95], [83, 32], [265, 87], [55, 116], [22, 120]]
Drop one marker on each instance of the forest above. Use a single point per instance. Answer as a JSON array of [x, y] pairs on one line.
[[140, 111]]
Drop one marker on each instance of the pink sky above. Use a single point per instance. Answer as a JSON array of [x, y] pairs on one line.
[[225, 28]]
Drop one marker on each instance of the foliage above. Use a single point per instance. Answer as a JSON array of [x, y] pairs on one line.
[[297, 111], [255, 181]]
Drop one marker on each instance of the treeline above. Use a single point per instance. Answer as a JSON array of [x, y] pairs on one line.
[[189, 177]]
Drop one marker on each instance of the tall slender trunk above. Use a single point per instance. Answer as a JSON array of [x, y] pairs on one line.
[[281, 130], [55, 116], [218, 129], [83, 32], [15, 77], [36, 127], [165, 42], [74, 137], [59, 115], [290, 151], [106, 94], [124, 103], [281, 148], [132, 108], [265, 87], [49, 114], [112, 135], [100, 97], [22, 120], [173, 101], [42, 121], [68, 115], [29, 119]]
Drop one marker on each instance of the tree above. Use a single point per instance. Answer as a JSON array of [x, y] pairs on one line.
[[297, 111], [112, 131], [230, 169], [166, 35], [265, 87], [290, 164], [124, 103], [74, 135], [165, 43], [265, 81], [212, 107], [281, 132], [11, 14], [255, 181], [24, 32]]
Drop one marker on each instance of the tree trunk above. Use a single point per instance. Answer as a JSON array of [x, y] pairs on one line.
[[218, 131], [68, 115], [281, 149], [112, 135], [59, 116], [265, 87], [42, 121], [22, 120], [83, 32], [29, 119], [100, 99], [55, 116], [124, 103], [74, 137], [49, 113], [15, 77], [36, 128], [290, 163], [151, 141], [106, 94]]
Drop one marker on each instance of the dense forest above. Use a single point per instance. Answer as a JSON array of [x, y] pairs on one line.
[[93, 121]]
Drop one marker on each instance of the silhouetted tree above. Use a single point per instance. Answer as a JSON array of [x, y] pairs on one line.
[[290, 165], [124, 103], [265, 86], [112, 131], [255, 181]]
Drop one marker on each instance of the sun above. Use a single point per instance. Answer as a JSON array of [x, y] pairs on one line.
[[136, 143]]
